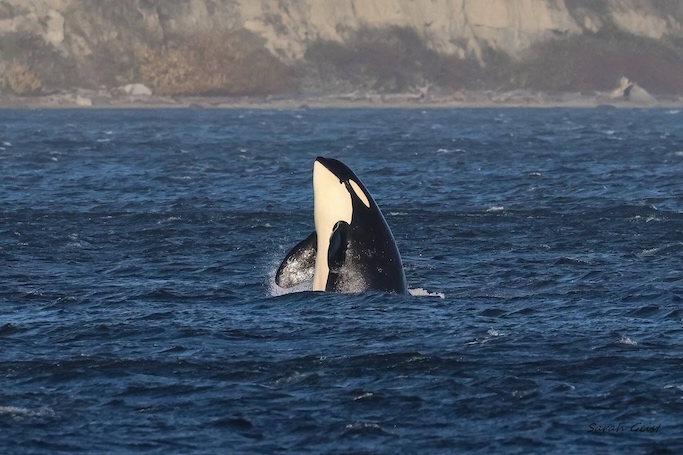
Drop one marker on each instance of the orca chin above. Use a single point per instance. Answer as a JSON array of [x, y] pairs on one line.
[[352, 248]]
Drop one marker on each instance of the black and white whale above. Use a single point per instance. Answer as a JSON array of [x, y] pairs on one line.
[[352, 248]]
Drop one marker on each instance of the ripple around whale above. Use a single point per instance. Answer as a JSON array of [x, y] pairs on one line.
[[138, 308]]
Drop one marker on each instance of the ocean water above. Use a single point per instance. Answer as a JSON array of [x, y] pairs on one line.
[[138, 312]]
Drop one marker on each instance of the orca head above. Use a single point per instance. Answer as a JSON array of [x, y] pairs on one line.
[[337, 193]]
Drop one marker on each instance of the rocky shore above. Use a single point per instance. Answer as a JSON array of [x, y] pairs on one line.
[[117, 99]]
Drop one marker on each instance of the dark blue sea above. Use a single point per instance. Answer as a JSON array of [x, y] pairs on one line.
[[542, 247]]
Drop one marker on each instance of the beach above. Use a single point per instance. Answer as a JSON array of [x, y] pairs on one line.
[[103, 99]]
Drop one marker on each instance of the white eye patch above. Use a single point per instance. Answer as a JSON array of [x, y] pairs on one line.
[[359, 192]]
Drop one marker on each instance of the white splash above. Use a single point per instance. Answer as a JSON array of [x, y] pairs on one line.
[[419, 292], [275, 291]]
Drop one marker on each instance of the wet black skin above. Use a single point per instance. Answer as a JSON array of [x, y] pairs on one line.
[[362, 255]]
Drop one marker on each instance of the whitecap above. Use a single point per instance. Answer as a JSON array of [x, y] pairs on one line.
[[364, 428], [496, 208], [491, 334], [292, 378], [15, 411], [650, 251], [360, 426], [169, 219], [627, 341], [663, 249]]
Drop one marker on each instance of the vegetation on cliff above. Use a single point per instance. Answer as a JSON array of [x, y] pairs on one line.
[[18, 79], [395, 60], [29, 65], [384, 60], [213, 63], [595, 61]]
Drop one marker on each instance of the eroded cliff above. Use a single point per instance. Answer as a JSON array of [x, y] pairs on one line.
[[383, 45]]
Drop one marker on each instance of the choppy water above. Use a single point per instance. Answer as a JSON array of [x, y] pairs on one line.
[[543, 248]]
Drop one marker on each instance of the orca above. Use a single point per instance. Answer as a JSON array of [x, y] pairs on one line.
[[351, 249]]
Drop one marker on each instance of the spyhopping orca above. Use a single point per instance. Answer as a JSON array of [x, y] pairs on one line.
[[352, 248]]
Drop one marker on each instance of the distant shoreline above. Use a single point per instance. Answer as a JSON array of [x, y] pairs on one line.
[[459, 100]]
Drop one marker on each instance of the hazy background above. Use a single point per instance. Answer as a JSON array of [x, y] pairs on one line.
[[245, 47]]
